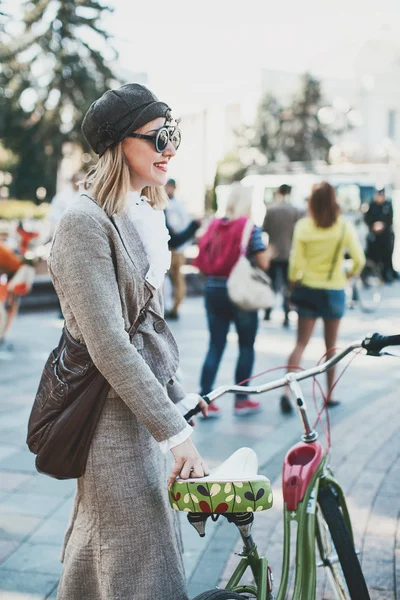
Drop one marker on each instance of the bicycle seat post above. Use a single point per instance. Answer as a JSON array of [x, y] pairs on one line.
[[309, 435]]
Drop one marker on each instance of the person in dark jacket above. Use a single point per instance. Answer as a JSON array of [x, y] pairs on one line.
[[380, 240]]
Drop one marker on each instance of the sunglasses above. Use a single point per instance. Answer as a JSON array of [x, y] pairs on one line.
[[161, 138]]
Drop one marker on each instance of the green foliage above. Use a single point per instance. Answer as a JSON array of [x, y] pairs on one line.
[[293, 132], [49, 77], [12, 210], [303, 137], [267, 128]]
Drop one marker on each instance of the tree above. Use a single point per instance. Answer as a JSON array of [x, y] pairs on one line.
[[304, 137], [267, 128], [293, 132], [49, 76]]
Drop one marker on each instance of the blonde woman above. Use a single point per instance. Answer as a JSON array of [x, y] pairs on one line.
[[108, 261], [218, 254]]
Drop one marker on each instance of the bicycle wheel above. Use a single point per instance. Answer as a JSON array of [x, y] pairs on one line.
[[219, 595], [337, 549], [368, 288]]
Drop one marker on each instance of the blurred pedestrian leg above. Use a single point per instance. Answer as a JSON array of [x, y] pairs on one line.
[[181, 229], [221, 312], [280, 220], [178, 282]]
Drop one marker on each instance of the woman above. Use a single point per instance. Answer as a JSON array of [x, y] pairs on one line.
[[108, 261], [221, 312], [316, 261]]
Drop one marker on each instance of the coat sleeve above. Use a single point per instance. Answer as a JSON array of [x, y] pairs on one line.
[[175, 390], [81, 261], [178, 239]]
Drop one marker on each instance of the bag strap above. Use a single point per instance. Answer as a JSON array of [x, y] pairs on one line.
[[246, 235], [336, 255]]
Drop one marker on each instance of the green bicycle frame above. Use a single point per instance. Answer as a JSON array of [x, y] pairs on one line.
[[305, 560]]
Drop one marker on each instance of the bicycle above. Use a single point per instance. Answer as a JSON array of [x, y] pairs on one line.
[[366, 290], [312, 497]]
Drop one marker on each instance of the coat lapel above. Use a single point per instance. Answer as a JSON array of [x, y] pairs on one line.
[[131, 242]]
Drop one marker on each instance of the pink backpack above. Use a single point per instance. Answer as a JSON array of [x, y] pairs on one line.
[[219, 247]]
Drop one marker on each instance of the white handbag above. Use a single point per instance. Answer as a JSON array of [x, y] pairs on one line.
[[249, 287]]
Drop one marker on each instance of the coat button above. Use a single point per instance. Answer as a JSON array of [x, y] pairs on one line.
[[159, 326]]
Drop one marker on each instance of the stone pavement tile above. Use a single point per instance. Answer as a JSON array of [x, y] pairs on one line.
[[387, 508], [391, 485], [63, 512], [364, 484], [21, 460], [35, 558], [381, 526], [52, 531], [35, 505], [5, 451], [356, 436], [33, 586], [10, 481], [13, 437], [16, 527], [381, 595], [42, 484], [6, 548], [16, 419], [379, 574], [387, 453], [374, 439], [359, 518], [53, 595], [378, 547]]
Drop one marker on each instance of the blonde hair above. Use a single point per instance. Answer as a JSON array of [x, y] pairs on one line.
[[239, 202], [110, 180]]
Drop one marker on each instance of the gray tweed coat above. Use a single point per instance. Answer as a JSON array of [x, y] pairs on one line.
[[123, 541]]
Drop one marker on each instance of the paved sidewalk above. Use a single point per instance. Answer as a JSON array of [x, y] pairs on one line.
[[34, 509]]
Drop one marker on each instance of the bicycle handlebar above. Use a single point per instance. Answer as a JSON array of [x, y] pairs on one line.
[[376, 342], [372, 344]]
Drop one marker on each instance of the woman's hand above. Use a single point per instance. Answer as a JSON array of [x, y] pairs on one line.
[[190, 401], [187, 462], [263, 259], [378, 226], [204, 409]]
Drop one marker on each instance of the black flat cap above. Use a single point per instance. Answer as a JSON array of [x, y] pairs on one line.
[[119, 112]]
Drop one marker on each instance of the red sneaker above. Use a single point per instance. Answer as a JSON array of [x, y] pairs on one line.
[[246, 407], [213, 411]]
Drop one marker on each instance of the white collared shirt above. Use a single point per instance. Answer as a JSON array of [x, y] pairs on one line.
[[150, 225]]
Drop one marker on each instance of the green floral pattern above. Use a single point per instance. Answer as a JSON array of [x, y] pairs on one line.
[[221, 497]]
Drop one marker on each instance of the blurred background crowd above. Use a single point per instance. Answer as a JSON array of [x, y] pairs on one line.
[[275, 98]]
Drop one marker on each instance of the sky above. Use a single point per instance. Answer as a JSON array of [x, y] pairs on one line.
[[188, 47], [199, 53]]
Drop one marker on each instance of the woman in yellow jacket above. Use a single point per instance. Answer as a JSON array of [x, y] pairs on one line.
[[316, 263]]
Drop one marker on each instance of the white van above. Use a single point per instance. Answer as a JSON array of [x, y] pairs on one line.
[[354, 185]]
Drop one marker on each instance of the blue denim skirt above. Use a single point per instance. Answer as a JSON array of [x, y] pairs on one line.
[[312, 303]]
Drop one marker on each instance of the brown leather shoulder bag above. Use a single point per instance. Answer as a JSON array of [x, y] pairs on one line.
[[67, 407]]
